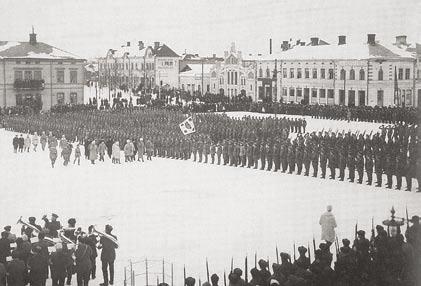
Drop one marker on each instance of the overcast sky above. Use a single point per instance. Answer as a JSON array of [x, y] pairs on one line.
[[89, 27]]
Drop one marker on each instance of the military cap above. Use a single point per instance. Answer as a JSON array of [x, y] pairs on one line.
[[346, 242], [361, 232], [414, 219], [302, 249], [7, 228], [190, 281], [54, 215]]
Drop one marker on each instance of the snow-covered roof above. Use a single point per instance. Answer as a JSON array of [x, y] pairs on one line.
[[196, 69], [39, 50], [346, 51], [134, 51]]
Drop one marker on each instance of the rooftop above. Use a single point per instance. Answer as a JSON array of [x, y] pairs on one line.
[[38, 50]]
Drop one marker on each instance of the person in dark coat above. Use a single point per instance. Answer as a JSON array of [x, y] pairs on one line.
[[52, 226], [17, 272], [92, 241], [4, 247], [83, 256], [15, 143], [108, 256], [21, 142], [59, 262], [36, 265]]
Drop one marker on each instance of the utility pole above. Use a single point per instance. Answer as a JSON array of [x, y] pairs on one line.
[[202, 76]]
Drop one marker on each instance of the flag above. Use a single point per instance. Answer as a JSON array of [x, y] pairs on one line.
[[187, 126]]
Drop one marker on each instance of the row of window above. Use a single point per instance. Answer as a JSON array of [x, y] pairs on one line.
[[122, 66], [298, 73], [21, 99], [37, 75], [306, 91], [38, 62]]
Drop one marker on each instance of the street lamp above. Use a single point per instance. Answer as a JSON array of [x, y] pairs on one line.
[[393, 226]]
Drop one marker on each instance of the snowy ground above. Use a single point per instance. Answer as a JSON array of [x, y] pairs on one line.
[[184, 211]]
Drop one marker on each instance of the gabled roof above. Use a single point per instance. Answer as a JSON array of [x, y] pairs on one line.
[[196, 69], [40, 50], [165, 52]]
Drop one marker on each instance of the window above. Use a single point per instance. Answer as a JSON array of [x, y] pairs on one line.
[[27, 75], [284, 73], [37, 75], [291, 92], [229, 78], [28, 63], [322, 73], [73, 98], [314, 92], [19, 100], [60, 76], [407, 73], [352, 74], [291, 73], [213, 74], [322, 93], [330, 93], [400, 74], [299, 73], [314, 73], [235, 76], [330, 73], [267, 73], [380, 94], [307, 73], [299, 92], [380, 74], [251, 75], [73, 76], [251, 87], [284, 91], [18, 62], [18, 75], [131, 65], [362, 74], [343, 74], [260, 72], [60, 98]]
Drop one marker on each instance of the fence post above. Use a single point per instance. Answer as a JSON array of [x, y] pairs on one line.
[[146, 272]]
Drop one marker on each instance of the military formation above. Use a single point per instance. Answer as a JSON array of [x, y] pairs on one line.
[[384, 259], [55, 251], [388, 157]]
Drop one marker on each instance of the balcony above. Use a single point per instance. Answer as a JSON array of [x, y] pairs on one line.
[[30, 84]]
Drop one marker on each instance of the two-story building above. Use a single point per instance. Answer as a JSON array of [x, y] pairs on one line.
[[35, 72], [140, 66]]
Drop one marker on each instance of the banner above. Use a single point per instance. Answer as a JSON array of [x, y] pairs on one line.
[[187, 126]]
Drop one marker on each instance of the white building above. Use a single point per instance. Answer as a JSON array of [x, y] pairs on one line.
[[349, 74], [140, 66], [195, 77]]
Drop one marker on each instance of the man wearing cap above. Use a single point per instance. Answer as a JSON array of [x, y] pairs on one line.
[[361, 247], [328, 223], [107, 256], [303, 262], [214, 279], [52, 226], [37, 266], [10, 236], [16, 271], [264, 272], [345, 265], [413, 235], [4, 247], [190, 281], [60, 262]]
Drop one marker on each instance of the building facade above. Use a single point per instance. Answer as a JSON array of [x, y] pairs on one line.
[[234, 76], [140, 67], [349, 74], [37, 73]]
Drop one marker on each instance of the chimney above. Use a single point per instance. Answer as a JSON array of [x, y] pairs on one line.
[[270, 46], [284, 45], [341, 40], [156, 45], [401, 40], [371, 39], [314, 41], [33, 37], [128, 44], [141, 45]]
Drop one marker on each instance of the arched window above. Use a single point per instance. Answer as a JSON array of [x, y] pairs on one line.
[[352, 74], [260, 72], [267, 72], [380, 75], [250, 75], [213, 74], [362, 74], [343, 74]]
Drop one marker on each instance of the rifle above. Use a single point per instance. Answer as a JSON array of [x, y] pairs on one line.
[[407, 218], [295, 259], [255, 260], [232, 264], [356, 229], [184, 275], [308, 250], [246, 271], [207, 269], [225, 279], [372, 229], [277, 255], [314, 247]]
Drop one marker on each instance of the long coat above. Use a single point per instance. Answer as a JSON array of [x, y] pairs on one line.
[[93, 152], [116, 151], [328, 223]]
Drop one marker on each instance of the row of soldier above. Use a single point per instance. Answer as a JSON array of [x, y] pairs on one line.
[[252, 142], [55, 251], [385, 259]]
